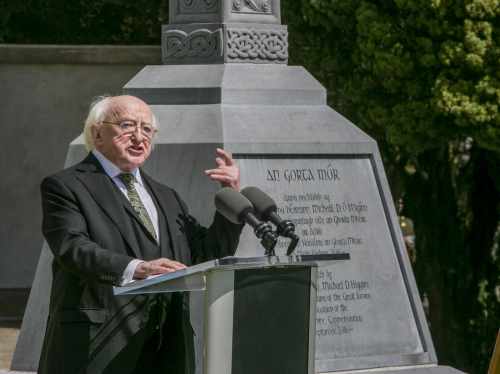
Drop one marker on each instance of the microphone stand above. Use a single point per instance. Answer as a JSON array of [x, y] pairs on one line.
[[268, 238], [287, 229], [293, 244], [264, 231]]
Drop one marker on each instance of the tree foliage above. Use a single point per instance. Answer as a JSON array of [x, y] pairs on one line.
[[82, 22], [420, 76]]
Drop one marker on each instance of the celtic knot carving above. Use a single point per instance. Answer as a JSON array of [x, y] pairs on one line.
[[198, 6], [243, 44], [198, 43], [252, 6]]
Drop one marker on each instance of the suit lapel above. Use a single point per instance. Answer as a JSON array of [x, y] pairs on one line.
[[169, 209], [104, 192]]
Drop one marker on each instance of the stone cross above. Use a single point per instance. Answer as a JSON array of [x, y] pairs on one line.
[[224, 31]]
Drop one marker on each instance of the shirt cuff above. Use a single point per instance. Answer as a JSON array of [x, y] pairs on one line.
[[128, 273]]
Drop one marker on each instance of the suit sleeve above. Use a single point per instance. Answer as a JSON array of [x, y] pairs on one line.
[[65, 229], [219, 240]]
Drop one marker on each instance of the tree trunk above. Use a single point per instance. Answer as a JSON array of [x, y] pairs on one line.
[[479, 264], [432, 204]]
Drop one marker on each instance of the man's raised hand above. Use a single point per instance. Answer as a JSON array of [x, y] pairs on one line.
[[227, 172]]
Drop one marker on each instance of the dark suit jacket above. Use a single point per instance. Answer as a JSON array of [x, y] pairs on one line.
[[94, 233]]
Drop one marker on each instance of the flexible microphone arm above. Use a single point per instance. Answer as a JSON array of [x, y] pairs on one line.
[[263, 231]]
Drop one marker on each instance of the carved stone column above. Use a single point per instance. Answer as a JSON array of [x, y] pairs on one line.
[[224, 31]]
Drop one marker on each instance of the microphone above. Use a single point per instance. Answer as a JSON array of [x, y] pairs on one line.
[[238, 209], [266, 210]]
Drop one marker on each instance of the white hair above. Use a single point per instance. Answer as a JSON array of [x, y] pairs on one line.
[[99, 109]]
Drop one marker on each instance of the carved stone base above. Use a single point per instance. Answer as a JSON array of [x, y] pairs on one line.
[[222, 43], [224, 11]]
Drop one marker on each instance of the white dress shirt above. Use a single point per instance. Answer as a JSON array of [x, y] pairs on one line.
[[113, 172]]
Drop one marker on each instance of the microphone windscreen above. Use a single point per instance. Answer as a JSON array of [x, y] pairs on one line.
[[232, 204], [262, 202]]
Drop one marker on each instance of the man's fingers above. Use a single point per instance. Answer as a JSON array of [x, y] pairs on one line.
[[159, 261], [220, 162], [174, 265], [228, 159], [219, 171], [211, 171], [144, 269], [169, 264], [156, 269], [227, 172], [222, 178]]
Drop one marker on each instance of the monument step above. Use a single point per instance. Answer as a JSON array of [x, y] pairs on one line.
[[240, 84], [420, 369]]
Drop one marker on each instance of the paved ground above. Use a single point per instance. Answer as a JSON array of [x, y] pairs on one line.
[[8, 338]]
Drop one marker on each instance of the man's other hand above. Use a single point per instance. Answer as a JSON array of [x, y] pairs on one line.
[[158, 266], [227, 172]]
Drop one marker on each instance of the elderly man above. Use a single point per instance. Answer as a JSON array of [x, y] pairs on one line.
[[107, 223]]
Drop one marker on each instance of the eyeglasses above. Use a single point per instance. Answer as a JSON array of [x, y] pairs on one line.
[[129, 127]]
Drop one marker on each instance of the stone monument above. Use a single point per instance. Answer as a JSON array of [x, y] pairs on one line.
[[225, 82]]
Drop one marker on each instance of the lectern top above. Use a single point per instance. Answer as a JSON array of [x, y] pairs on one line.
[[191, 278]]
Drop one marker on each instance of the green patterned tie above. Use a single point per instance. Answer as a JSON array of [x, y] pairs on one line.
[[128, 180]]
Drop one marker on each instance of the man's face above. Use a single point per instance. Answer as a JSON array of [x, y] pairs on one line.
[[127, 150]]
